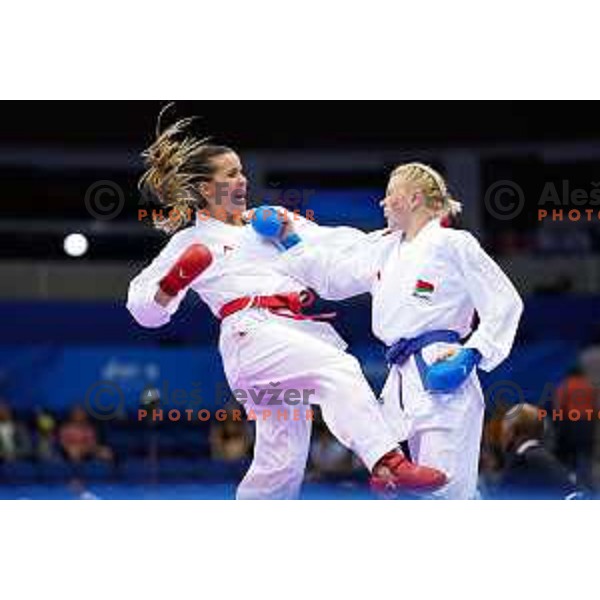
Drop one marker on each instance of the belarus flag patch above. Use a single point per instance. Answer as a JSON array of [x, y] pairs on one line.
[[424, 289]]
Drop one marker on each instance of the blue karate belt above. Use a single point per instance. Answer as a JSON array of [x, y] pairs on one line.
[[399, 352]]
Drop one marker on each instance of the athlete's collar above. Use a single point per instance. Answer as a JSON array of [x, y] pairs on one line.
[[431, 226]]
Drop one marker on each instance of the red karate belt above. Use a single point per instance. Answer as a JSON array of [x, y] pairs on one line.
[[288, 305]]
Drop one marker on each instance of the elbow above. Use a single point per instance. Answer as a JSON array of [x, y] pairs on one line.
[[148, 316], [518, 306]]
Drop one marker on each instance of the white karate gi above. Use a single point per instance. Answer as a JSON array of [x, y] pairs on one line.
[[458, 277], [260, 350]]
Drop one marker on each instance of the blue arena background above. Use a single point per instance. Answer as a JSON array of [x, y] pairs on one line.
[[52, 353]]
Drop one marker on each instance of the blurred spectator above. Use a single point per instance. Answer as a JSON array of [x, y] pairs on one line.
[[575, 437], [15, 442], [490, 459], [79, 440], [329, 459], [490, 470], [563, 237], [590, 364], [561, 284], [530, 470], [45, 428], [230, 440], [511, 242]]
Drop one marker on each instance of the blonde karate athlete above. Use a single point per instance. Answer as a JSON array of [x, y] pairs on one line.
[[426, 281], [265, 340]]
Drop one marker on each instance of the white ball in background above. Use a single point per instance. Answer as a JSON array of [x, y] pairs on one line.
[[75, 244]]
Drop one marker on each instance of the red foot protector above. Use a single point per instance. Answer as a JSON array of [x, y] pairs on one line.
[[395, 473]]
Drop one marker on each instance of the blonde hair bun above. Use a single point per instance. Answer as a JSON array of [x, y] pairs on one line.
[[433, 186]]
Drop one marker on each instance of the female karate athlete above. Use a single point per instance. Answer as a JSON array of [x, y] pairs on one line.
[[265, 340], [426, 282]]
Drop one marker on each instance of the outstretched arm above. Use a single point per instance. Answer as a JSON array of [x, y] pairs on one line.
[[335, 268], [337, 262]]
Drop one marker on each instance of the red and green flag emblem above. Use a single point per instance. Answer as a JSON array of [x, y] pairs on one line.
[[424, 288]]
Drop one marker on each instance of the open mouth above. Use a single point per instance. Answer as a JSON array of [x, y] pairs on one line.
[[238, 197]]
